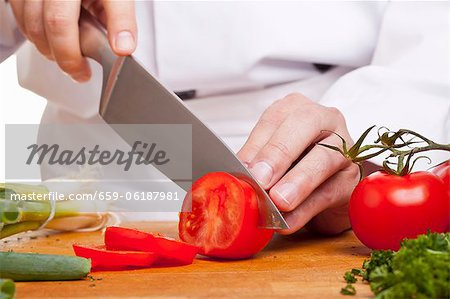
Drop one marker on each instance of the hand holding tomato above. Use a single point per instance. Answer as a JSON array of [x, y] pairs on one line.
[[317, 186]]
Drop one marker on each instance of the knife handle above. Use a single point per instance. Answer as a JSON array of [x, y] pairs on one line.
[[94, 42]]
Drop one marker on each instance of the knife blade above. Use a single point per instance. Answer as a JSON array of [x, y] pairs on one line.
[[131, 95]]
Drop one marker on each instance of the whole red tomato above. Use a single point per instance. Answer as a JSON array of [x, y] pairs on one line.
[[443, 171], [223, 222], [384, 209]]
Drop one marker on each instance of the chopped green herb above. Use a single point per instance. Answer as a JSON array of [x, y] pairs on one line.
[[377, 259], [92, 278], [348, 290], [358, 272], [349, 277], [420, 269]]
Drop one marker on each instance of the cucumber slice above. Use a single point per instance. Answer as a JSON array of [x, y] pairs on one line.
[[34, 266], [7, 289]]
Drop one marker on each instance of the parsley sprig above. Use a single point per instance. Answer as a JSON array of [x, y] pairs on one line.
[[420, 269]]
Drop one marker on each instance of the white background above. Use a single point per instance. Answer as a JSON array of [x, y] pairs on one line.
[[18, 105]]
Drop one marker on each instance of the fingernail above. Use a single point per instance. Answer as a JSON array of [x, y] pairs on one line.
[[263, 172], [124, 41], [286, 193]]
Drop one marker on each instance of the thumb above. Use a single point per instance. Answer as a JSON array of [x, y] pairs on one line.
[[121, 26]]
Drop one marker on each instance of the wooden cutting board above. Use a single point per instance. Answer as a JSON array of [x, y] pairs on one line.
[[301, 266]]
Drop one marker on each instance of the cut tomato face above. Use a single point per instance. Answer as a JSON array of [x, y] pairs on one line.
[[169, 252], [103, 259], [223, 221]]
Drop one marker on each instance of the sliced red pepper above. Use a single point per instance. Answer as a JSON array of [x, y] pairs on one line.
[[103, 259], [170, 252]]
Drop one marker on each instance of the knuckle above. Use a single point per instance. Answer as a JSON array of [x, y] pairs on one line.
[[314, 169], [270, 119], [329, 193], [309, 116], [292, 100], [293, 96], [272, 115], [282, 148], [248, 149], [333, 159], [286, 102], [314, 109], [34, 31], [285, 106], [353, 172], [57, 22], [298, 99], [337, 114]]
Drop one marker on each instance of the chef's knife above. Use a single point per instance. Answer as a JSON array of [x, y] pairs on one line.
[[130, 95]]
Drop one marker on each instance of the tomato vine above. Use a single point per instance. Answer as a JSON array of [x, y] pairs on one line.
[[402, 145]]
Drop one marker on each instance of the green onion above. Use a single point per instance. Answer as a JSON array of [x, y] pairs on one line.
[[9, 212], [26, 214], [35, 266], [12, 229], [7, 289]]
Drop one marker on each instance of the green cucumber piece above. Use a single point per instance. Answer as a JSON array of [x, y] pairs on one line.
[[7, 289], [34, 266]]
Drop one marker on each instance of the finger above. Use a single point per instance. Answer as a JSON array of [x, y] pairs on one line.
[[259, 136], [332, 221], [267, 124], [17, 8], [121, 26], [34, 25], [96, 8], [61, 28], [316, 167], [295, 134], [333, 193]]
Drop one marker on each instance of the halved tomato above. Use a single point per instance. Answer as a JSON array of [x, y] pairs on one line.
[[169, 252], [103, 259], [223, 221]]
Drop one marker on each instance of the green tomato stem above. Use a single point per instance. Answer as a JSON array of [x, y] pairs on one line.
[[392, 142]]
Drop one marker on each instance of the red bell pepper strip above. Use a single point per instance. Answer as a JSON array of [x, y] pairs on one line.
[[103, 259], [169, 252]]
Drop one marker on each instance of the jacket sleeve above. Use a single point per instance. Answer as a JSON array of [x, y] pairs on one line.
[[407, 83], [10, 36]]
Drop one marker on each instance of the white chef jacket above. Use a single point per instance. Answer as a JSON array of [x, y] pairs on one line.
[[392, 65]]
